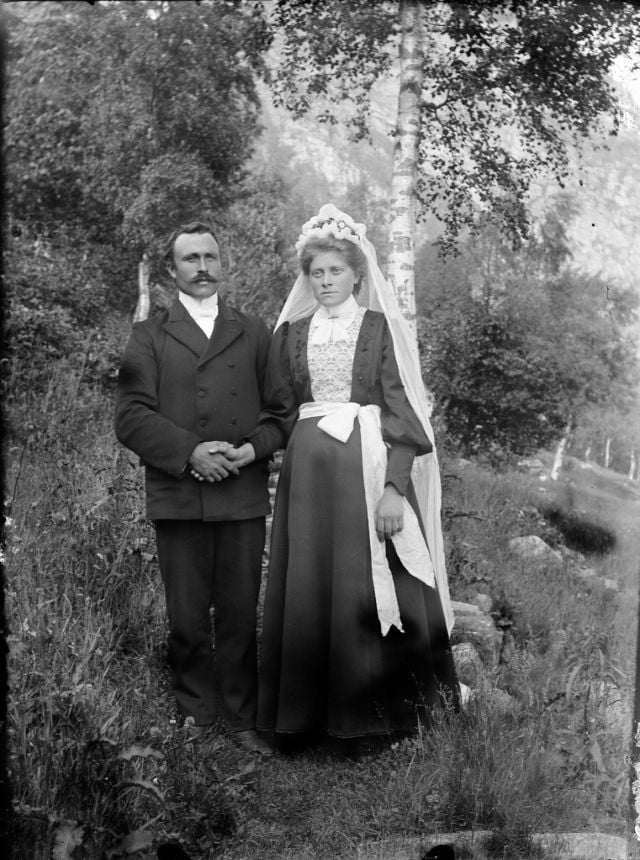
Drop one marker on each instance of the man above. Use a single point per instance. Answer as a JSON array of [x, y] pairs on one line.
[[190, 389]]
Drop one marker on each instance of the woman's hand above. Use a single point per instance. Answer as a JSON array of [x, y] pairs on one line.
[[389, 516]]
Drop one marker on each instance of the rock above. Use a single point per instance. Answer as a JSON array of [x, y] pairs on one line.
[[588, 574], [559, 846], [482, 601], [573, 556], [465, 693], [585, 846], [460, 608], [474, 626], [468, 664], [502, 701], [533, 548]]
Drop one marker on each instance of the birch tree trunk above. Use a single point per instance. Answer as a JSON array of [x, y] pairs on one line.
[[632, 464], [607, 452], [401, 259], [142, 307], [560, 451]]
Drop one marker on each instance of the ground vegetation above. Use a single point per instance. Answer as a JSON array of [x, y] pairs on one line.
[[99, 763]]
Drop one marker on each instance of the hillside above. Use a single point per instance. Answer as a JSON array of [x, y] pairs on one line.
[[605, 180]]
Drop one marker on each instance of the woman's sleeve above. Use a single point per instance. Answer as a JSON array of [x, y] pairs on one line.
[[401, 428], [280, 404]]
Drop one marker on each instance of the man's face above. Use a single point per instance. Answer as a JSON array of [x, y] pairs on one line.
[[196, 264]]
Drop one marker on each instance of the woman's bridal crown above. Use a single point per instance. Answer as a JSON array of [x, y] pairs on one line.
[[330, 221]]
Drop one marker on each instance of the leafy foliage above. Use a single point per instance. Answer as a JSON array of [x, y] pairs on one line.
[[92, 739], [57, 313], [515, 346], [335, 52], [493, 397], [508, 88], [126, 116], [255, 236]]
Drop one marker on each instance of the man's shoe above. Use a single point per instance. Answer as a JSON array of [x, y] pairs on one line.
[[250, 740]]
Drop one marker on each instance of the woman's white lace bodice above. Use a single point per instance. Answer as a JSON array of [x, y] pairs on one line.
[[331, 364]]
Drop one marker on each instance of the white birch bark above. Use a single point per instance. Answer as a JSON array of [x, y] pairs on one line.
[[142, 307], [607, 452], [560, 451], [401, 258], [632, 464]]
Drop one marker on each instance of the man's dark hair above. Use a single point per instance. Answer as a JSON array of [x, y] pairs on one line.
[[191, 227]]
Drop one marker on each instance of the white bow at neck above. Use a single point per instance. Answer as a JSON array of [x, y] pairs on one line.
[[332, 324]]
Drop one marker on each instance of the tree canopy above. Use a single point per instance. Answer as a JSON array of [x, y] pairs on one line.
[[508, 87], [125, 117], [518, 345]]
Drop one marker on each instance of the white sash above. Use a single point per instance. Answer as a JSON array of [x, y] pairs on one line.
[[337, 420]]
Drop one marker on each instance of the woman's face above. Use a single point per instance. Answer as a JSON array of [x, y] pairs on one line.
[[332, 280]]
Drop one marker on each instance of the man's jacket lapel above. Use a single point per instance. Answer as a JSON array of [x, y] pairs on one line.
[[227, 328], [185, 330]]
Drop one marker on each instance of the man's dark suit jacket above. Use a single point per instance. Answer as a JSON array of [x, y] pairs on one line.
[[176, 389]]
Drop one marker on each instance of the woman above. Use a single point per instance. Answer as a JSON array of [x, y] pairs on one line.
[[355, 638]]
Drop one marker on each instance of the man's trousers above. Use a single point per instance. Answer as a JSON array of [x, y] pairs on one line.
[[203, 565]]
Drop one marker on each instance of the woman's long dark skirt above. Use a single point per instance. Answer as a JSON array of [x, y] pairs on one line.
[[325, 666]]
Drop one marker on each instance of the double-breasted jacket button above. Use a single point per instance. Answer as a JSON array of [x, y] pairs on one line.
[[230, 364], [201, 392], [202, 422], [233, 391], [233, 421]]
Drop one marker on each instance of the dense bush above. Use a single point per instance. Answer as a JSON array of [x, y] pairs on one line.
[[516, 346], [128, 114], [59, 313], [494, 396]]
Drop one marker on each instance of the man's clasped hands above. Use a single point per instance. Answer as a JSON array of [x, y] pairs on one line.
[[215, 461]]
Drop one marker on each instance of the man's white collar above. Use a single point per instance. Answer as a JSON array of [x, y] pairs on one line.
[[199, 307]]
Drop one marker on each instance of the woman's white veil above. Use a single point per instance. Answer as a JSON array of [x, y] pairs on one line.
[[377, 295]]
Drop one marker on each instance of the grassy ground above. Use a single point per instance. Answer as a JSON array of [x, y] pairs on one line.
[[100, 768]]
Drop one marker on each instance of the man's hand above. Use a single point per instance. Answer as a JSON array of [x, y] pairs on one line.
[[242, 456], [389, 515], [209, 461]]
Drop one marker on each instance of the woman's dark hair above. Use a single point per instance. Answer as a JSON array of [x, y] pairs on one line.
[[191, 227], [349, 251]]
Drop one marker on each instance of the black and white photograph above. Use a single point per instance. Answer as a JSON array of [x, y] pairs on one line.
[[321, 421]]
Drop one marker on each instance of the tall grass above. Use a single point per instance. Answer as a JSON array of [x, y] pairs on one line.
[[572, 639], [98, 760]]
